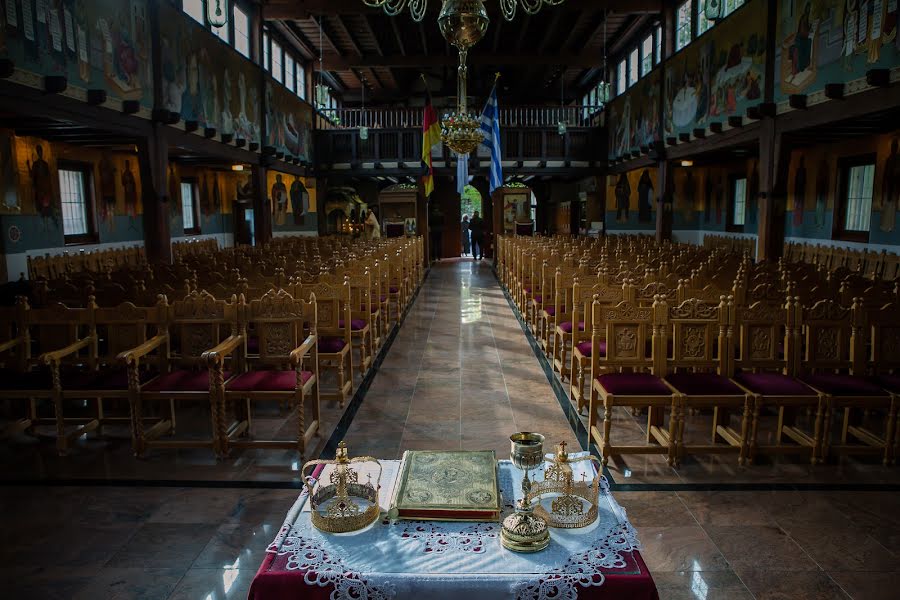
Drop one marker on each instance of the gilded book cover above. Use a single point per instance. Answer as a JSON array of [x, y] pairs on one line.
[[447, 486]]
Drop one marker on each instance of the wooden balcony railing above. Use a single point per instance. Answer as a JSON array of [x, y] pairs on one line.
[[402, 118]]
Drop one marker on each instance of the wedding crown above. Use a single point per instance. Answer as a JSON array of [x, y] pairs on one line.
[[575, 502], [343, 504]]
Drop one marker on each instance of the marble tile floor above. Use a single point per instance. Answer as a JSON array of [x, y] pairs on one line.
[[459, 375], [206, 544]]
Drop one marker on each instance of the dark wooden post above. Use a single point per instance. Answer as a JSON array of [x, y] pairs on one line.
[[153, 160], [774, 159], [262, 212], [664, 200]]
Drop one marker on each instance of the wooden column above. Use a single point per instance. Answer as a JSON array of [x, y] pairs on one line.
[[262, 211], [664, 200], [153, 162], [774, 158]]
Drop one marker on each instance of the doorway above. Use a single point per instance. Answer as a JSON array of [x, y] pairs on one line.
[[470, 201]]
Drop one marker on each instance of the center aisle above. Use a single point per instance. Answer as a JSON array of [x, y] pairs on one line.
[[459, 375]]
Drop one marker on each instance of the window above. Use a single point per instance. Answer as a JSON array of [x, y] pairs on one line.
[[647, 55], [732, 5], [189, 206], [633, 66], [277, 61], [738, 203], [301, 80], [77, 215], [683, 26], [241, 31], [858, 176], [621, 79], [266, 55], [658, 52], [194, 8], [703, 24], [289, 80]]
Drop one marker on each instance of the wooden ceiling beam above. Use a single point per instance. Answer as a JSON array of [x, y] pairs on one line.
[[304, 9], [410, 61]]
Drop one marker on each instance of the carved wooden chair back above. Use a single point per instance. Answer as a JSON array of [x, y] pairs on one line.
[[198, 323], [699, 333], [281, 323], [627, 329], [829, 337]]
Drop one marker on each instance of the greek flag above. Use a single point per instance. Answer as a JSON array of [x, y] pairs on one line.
[[490, 126]]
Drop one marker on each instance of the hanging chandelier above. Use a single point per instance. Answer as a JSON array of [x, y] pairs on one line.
[[463, 23], [217, 12], [417, 8]]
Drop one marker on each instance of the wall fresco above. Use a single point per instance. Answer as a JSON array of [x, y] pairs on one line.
[[288, 122], [95, 44], [721, 73], [832, 41], [634, 116]]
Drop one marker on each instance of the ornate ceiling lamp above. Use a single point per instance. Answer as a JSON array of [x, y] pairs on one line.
[[417, 8], [463, 24], [217, 12]]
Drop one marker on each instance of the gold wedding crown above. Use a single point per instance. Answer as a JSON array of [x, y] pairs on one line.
[[575, 502], [343, 504]]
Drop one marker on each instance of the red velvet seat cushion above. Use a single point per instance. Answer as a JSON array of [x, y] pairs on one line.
[[844, 385], [704, 384], [331, 345], [587, 349], [551, 310], [355, 324], [634, 384], [394, 290], [266, 381], [773, 384], [567, 326], [181, 380], [538, 299]]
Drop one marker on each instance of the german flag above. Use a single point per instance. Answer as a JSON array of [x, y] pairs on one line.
[[431, 135]]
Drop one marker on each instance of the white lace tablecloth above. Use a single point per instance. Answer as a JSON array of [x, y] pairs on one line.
[[433, 560]]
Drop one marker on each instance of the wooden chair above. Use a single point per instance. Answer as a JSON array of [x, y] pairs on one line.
[[363, 317], [699, 369], [285, 369], [190, 327], [333, 334], [629, 375], [834, 365], [584, 295], [884, 362]]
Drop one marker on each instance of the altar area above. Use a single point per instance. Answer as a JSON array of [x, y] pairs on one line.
[[442, 560]]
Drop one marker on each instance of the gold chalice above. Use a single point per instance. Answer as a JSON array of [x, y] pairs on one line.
[[523, 531]]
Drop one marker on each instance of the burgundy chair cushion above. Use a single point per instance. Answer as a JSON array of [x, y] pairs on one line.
[[374, 307], [266, 381], [551, 310], [331, 345], [567, 326], [253, 345], [528, 289], [538, 299], [384, 299], [181, 380], [587, 349], [844, 385], [634, 384], [889, 382], [773, 384], [393, 290], [355, 324], [704, 384]]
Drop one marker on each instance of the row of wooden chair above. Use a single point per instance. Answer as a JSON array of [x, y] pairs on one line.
[[229, 351], [770, 364]]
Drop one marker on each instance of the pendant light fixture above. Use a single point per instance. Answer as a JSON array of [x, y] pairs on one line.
[[561, 126], [321, 88], [217, 13], [603, 88], [363, 130]]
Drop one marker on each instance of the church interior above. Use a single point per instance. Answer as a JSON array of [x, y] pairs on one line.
[[389, 299]]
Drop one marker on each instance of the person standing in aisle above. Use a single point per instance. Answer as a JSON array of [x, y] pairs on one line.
[[476, 226], [464, 228]]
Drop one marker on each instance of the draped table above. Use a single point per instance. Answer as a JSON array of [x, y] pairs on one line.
[[432, 560]]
